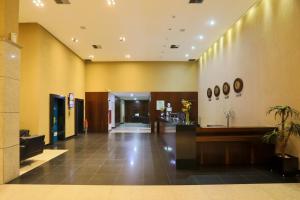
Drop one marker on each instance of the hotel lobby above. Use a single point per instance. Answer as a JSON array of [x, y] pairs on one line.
[[140, 99]]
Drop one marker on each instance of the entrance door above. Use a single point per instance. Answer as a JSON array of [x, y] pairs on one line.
[[79, 116], [57, 118]]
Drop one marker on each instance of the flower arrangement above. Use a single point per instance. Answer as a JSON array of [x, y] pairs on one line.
[[228, 115], [187, 104]]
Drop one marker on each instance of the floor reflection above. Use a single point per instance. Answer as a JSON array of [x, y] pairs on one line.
[[133, 159]]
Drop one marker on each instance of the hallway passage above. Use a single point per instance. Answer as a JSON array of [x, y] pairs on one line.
[[133, 159], [132, 128]]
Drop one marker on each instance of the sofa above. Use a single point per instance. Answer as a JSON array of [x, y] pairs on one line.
[[30, 145]]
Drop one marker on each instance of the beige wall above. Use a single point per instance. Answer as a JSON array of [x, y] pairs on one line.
[[47, 67], [262, 49], [141, 76]]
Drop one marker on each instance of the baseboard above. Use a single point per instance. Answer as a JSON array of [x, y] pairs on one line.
[[70, 137]]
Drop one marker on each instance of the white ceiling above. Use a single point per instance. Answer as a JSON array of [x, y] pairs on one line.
[[144, 23], [137, 95]]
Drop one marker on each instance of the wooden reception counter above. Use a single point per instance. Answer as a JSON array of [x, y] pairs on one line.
[[232, 146], [189, 145], [180, 143]]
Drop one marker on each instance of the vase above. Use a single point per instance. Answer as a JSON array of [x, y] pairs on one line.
[[187, 118]]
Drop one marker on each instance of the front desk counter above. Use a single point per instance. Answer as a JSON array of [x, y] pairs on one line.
[[192, 146]]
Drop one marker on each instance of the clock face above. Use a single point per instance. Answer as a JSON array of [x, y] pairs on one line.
[[238, 85], [217, 91], [226, 88], [209, 93]]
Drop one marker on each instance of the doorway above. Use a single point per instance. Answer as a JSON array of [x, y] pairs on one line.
[[79, 116], [57, 118], [131, 112]]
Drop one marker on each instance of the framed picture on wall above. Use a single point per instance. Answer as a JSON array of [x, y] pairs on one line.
[[160, 105]]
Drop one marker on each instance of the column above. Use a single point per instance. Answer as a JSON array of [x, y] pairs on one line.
[[9, 91]]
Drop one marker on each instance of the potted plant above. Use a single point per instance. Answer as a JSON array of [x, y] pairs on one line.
[[287, 126]]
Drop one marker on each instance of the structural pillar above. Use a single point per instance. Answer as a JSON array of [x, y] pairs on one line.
[[9, 90]]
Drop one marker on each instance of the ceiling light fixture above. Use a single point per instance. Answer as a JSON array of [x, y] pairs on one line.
[[38, 3], [91, 57], [212, 22], [122, 39], [193, 47], [201, 37], [131, 94], [74, 40], [111, 2], [187, 55], [127, 56]]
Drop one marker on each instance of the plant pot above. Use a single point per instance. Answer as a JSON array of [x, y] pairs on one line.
[[287, 165]]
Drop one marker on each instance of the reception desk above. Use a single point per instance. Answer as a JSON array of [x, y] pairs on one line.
[[180, 143], [233, 146], [192, 146]]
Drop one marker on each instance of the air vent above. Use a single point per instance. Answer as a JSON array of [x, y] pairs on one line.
[[196, 1], [174, 46], [62, 1], [97, 46]]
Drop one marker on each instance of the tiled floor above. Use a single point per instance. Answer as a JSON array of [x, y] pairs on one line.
[[133, 159], [132, 128], [203, 192], [40, 159]]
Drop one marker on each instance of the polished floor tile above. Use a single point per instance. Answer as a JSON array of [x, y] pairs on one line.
[[133, 159], [203, 192]]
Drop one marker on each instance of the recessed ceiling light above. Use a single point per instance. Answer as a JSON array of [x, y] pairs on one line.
[[131, 94], [187, 55], [201, 37], [91, 57], [111, 2], [193, 47], [38, 3], [122, 39], [74, 40], [127, 56], [212, 22], [13, 56]]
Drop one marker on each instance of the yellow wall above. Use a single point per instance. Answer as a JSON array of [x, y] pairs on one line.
[[9, 15], [262, 49], [141, 76], [47, 67]]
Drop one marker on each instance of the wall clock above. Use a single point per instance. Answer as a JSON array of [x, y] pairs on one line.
[[238, 85], [209, 93], [217, 91], [226, 88]]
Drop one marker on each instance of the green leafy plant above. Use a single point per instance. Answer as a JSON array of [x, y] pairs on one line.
[[285, 128]]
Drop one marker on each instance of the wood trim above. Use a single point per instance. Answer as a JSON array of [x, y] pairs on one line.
[[228, 138], [96, 111]]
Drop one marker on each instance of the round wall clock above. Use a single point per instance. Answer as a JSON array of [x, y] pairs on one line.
[[217, 91], [238, 85], [209, 93], [226, 88]]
